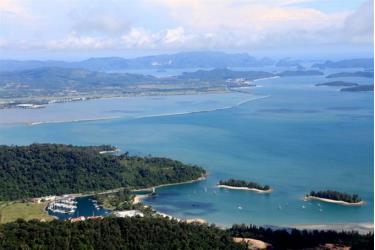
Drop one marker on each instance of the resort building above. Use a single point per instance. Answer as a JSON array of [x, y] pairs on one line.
[[128, 213]]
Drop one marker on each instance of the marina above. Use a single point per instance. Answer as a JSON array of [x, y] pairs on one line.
[[71, 207]]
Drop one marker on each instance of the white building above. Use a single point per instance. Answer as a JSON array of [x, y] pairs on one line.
[[49, 198], [128, 213]]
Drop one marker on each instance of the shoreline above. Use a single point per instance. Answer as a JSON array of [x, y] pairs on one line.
[[85, 99], [110, 151], [246, 189], [93, 193], [339, 202], [185, 220], [203, 177], [71, 121], [138, 198]]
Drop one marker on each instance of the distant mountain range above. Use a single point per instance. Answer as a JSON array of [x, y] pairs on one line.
[[57, 78], [164, 61], [367, 63], [64, 78], [200, 59], [46, 83]]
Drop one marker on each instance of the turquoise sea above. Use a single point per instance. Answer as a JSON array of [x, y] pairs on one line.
[[286, 133]]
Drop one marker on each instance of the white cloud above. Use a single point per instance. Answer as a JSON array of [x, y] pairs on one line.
[[140, 38], [359, 26], [174, 36], [10, 7], [184, 24], [74, 41], [165, 39], [258, 23], [102, 24], [3, 43]]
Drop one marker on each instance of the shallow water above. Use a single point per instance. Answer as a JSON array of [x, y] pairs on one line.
[[297, 139]]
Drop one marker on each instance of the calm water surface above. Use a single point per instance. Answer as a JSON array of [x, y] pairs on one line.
[[297, 139], [85, 207]]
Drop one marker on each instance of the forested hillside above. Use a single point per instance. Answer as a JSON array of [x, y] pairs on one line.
[[114, 233], [46, 169], [304, 239], [161, 233]]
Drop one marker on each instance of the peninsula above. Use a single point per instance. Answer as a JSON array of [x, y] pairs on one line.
[[67, 169], [335, 197], [244, 185]]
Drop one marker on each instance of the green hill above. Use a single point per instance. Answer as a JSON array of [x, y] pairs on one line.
[[46, 169]]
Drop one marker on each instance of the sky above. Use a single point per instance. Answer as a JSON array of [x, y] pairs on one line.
[[77, 29]]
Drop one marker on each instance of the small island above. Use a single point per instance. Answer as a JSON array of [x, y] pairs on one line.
[[337, 84], [360, 88], [366, 74], [335, 197], [244, 185]]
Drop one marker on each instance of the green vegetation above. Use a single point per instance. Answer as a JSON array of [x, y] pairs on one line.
[[66, 78], [120, 200], [46, 169], [33, 86], [161, 233], [11, 211], [360, 88], [337, 196], [242, 183], [303, 239], [114, 233]]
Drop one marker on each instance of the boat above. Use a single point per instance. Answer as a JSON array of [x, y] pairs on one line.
[[65, 206]]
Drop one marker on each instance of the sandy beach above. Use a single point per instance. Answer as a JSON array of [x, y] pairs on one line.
[[309, 197], [246, 189], [252, 243], [189, 221], [139, 198], [110, 151]]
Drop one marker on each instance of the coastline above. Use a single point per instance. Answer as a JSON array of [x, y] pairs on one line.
[[246, 189], [188, 221], [110, 151], [203, 177], [92, 193], [309, 197], [84, 98], [138, 198], [76, 120]]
